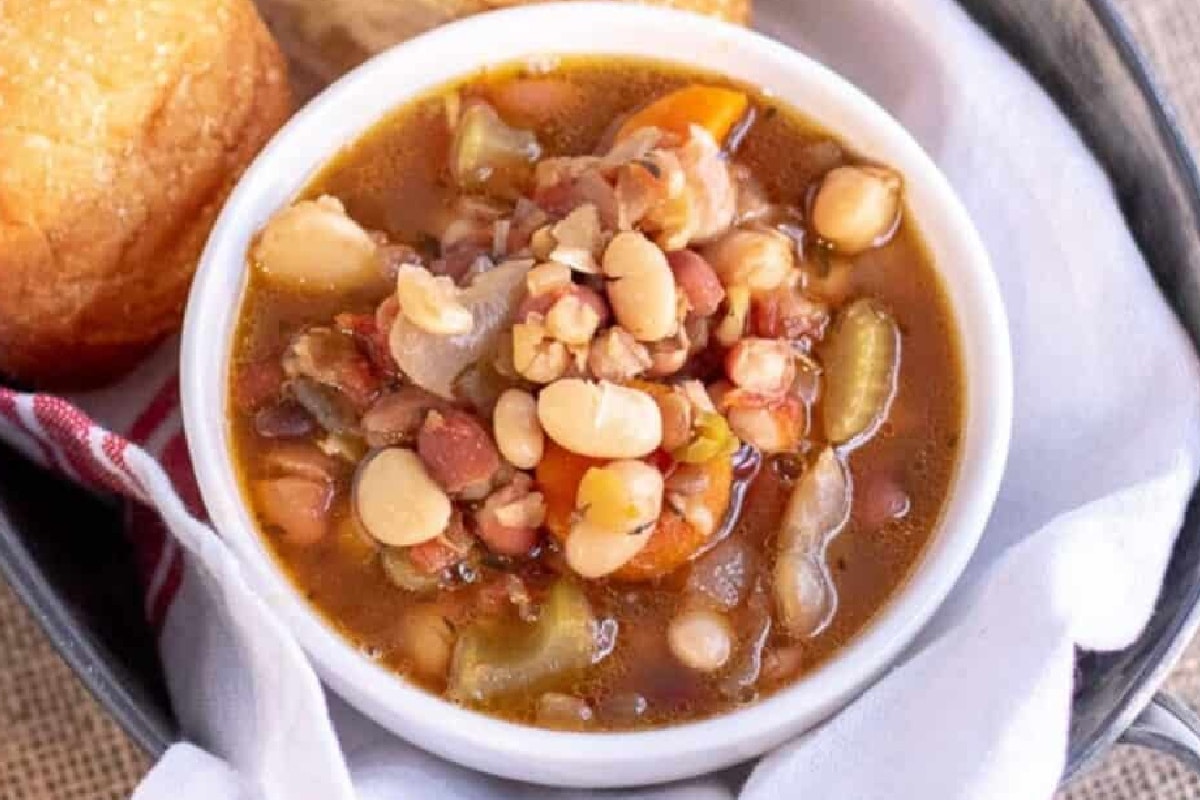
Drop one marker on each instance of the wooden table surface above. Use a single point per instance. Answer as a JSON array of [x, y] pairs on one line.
[[57, 743]]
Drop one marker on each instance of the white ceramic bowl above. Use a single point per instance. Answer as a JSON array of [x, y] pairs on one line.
[[349, 108]]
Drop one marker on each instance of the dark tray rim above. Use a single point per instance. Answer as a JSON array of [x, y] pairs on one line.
[[1167, 650], [87, 658]]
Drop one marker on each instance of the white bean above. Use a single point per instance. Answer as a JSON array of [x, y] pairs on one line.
[[857, 207], [623, 496], [601, 420], [313, 246], [397, 501], [700, 639], [518, 433], [641, 289], [593, 552]]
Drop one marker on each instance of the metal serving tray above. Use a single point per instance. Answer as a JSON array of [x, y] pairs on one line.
[[65, 554]]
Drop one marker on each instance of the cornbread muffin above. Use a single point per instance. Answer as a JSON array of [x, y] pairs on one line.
[[123, 125]]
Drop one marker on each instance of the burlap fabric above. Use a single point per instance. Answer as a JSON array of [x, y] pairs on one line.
[[57, 743]]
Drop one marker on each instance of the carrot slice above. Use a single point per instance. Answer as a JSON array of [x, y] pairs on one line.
[[713, 108], [673, 540], [557, 476]]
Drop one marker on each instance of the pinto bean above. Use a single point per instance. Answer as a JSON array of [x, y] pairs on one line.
[[535, 306], [297, 505], [569, 193], [536, 100], [881, 499], [697, 331], [330, 407], [286, 420], [371, 333], [457, 261], [762, 366], [458, 451], [698, 281], [787, 314], [758, 259], [301, 460], [396, 418], [771, 425], [508, 521]]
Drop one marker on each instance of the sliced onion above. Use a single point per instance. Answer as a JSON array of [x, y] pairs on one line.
[[434, 362], [489, 154], [724, 574], [818, 508]]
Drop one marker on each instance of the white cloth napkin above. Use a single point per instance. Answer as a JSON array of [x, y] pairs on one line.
[[1104, 454]]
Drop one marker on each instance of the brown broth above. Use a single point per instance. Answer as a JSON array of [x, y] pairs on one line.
[[394, 179]]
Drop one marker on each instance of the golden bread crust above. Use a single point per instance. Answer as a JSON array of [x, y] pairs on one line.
[[123, 126]]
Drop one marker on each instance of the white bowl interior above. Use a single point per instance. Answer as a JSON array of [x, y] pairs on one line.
[[350, 107]]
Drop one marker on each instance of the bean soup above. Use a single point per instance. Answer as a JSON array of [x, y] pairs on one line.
[[596, 395]]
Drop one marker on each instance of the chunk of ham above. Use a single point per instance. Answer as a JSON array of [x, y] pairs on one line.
[[458, 452], [332, 358]]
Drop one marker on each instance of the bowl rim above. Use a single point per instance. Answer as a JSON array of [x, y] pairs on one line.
[[506, 748]]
